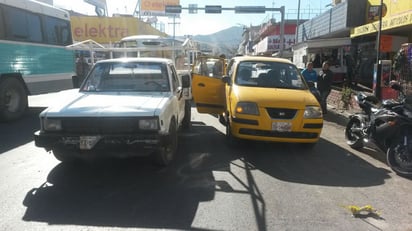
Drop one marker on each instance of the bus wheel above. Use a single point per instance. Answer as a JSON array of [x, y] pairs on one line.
[[13, 99]]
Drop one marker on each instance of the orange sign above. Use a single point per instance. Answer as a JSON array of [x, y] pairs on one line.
[[155, 7], [386, 43]]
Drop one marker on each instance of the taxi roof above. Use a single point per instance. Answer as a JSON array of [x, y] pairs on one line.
[[261, 58]]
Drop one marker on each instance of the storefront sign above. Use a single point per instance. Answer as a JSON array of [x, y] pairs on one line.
[[274, 42], [404, 19], [103, 29]]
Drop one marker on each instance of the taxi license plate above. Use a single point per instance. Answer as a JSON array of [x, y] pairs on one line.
[[282, 126], [88, 142]]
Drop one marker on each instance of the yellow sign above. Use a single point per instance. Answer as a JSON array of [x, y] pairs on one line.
[[103, 29], [395, 21], [155, 7]]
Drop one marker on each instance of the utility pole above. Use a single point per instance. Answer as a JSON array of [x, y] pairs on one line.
[[297, 24], [378, 73], [174, 34]]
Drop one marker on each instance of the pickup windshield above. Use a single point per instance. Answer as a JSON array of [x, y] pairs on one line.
[[127, 76], [269, 75]]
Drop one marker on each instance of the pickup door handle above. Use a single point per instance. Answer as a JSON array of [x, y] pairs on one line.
[[201, 85]]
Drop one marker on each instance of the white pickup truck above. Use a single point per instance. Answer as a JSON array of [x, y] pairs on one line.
[[125, 107]]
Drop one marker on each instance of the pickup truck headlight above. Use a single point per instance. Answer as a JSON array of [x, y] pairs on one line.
[[149, 124], [247, 108], [312, 112], [52, 124]]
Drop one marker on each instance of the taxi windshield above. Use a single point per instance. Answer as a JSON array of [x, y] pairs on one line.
[[269, 75]]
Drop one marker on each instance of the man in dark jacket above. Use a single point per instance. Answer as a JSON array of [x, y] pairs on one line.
[[324, 85]]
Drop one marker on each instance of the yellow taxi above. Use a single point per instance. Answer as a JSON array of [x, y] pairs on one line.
[[261, 98]]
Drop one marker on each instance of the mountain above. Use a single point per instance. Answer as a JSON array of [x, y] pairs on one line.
[[225, 41]]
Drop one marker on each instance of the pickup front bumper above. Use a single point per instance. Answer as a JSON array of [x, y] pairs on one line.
[[118, 144]]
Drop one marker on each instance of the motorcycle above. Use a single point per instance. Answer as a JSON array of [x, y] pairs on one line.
[[387, 127]]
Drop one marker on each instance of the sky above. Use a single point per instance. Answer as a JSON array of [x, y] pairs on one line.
[[201, 23]]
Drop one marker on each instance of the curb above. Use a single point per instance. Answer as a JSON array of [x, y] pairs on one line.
[[337, 116]]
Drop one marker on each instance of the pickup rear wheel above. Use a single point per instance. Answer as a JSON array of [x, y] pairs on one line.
[[188, 114], [13, 99], [166, 153]]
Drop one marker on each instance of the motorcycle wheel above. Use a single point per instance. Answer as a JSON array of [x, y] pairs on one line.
[[353, 135], [399, 158]]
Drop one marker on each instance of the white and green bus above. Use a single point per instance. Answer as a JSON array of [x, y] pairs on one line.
[[33, 58]]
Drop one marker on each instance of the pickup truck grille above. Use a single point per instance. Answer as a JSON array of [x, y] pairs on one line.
[[111, 125]]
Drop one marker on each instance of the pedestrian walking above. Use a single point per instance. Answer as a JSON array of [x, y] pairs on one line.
[[324, 85], [309, 73], [82, 68]]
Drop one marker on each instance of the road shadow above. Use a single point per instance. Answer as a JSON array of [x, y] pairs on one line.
[[132, 192], [326, 164], [19, 132], [135, 193]]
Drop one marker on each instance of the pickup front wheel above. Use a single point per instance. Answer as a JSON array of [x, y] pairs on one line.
[[63, 155], [166, 153]]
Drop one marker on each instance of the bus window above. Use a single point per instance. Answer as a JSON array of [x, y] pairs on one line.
[[54, 29], [2, 26], [22, 25]]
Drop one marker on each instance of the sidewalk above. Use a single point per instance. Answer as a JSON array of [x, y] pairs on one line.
[[336, 113]]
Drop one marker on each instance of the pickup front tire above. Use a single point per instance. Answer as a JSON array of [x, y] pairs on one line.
[[63, 155], [166, 153]]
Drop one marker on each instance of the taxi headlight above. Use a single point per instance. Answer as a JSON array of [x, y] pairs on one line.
[[149, 124], [247, 108], [312, 112], [52, 124]]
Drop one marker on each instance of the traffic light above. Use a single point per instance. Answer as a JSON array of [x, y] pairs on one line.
[[213, 9], [173, 9], [250, 9]]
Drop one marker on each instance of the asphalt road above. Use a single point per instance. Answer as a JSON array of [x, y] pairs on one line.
[[210, 186]]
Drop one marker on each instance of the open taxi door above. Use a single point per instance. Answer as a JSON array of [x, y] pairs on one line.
[[208, 89]]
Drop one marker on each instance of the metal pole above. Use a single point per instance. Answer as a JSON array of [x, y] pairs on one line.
[[174, 37], [378, 92], [297, 24], [282, 30]]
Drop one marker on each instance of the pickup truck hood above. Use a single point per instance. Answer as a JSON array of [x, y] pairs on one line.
[[108, 104]]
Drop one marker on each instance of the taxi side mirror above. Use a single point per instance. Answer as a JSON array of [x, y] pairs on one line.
[[226, 79]]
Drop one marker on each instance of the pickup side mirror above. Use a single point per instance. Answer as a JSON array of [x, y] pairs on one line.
[[186, 81], [226, 79]]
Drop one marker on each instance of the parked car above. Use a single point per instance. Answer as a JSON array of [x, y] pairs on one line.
[[262, 99], [125, 107]]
